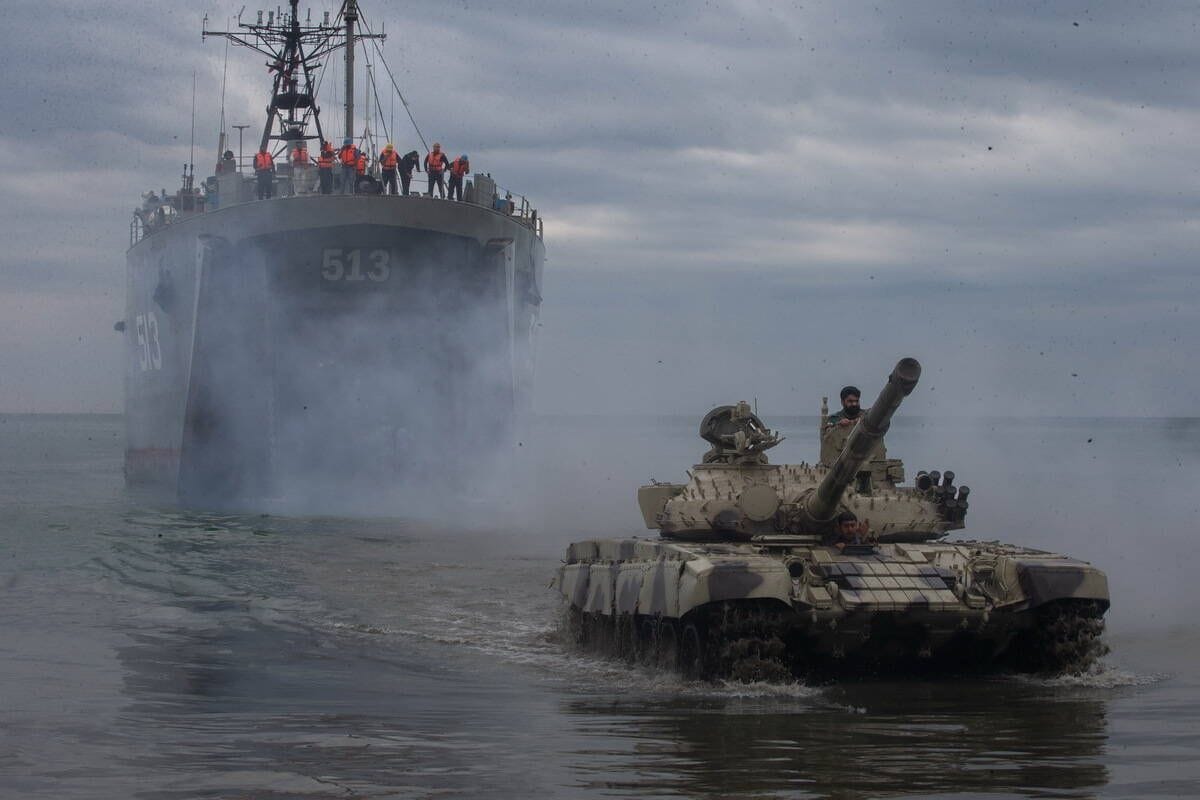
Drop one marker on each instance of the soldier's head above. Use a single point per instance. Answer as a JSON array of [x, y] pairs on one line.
[[228, 155], [847, 525], [850, 396]]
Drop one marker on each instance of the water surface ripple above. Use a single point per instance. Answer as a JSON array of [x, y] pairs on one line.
[[157, 653]]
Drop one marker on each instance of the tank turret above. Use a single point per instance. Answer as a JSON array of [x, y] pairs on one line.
[[736, 494]]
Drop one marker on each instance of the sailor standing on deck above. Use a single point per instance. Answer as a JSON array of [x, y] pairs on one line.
[[389, 159], [264, 173], [411, 161], [348, 156], [435, 165], [325, 168], [459, 167], [301, 182], [228, 164]]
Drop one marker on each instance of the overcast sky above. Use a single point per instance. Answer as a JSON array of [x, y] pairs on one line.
[[741, 199]]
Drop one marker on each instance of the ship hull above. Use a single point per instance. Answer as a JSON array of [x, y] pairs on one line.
[[327, 346]]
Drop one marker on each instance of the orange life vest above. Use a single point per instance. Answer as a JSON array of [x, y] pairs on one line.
[[348, 155], [389, 159], [434, 162], [325, 161], [300, 156], [362, 165], [458, 167], [263, 161]]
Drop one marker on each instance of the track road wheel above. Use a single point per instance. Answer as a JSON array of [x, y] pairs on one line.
[[575, 626], [647, 640], [667, 646], [693, 652], [1065, 639]]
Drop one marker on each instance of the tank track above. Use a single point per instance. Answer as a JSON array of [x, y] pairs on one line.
[[1066, 639], [751, 642], [742, 642]]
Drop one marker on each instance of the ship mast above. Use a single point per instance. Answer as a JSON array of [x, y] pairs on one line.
[[350, 14], [294, 50]]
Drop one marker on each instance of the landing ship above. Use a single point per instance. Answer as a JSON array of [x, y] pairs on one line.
[[331, 346], [751, 578]]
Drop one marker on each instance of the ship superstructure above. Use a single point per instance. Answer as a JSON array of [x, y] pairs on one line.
[[342, 346]]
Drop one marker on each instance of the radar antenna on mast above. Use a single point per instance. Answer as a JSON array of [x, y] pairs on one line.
[[294, 50]]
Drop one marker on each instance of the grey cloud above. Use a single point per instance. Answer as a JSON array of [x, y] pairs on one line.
[[724, 178]]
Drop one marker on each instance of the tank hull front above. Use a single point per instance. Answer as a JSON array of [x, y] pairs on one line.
[[331, 346]]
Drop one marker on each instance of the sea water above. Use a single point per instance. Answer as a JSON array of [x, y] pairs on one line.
[[151, 652]]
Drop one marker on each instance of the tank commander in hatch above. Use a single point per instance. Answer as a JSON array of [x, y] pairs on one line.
[[850, 409], [839, 426]]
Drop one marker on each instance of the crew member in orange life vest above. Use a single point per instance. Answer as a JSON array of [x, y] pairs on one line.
[[264, 173], [389, 159], [459, 167], [435, 164], [301, 182], [325, 168], [300, 154], [348, 156]]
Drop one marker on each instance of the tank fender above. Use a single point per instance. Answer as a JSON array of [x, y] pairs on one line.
[[711, 580], [601, 588], [1044, 580], [573, 583], [629, 586], [660, 588]]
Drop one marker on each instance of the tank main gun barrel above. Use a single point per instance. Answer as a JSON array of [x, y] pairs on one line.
[[866, 434]]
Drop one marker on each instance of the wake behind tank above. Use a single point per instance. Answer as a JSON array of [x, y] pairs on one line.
[[772, 570]]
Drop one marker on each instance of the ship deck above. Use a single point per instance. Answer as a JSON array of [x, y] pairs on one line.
[[482, 202]]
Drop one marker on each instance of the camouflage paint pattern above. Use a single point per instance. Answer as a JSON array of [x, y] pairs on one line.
[[742, 531]]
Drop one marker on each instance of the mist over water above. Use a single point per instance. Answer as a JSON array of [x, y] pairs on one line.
[[151, 652]]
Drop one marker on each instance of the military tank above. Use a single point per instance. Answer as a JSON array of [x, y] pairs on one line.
[[762, 571]]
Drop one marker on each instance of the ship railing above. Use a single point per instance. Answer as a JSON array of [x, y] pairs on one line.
[[502, 200], [147, 221], [517, 205]]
